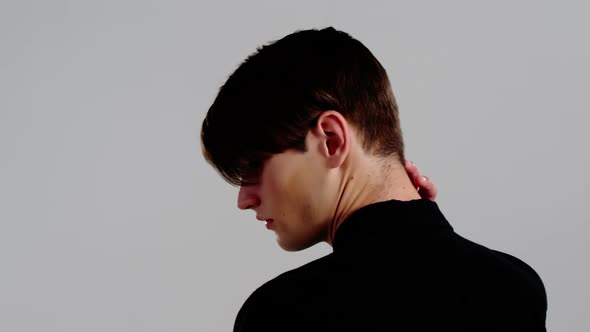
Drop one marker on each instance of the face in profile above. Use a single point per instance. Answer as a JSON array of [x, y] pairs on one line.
[[294, 191]]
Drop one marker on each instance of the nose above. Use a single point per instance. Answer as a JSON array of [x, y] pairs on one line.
[[247, 198]]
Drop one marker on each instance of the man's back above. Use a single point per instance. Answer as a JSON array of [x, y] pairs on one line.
[[400, 266]]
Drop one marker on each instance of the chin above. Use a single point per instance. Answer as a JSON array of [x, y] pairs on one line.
[[293, 246]]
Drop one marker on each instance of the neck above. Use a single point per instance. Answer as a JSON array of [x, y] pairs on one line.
[[361, 187]]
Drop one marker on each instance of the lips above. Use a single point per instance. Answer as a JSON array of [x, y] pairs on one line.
[[269, 223]]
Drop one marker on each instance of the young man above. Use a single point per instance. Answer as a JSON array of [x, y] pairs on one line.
[[308, 127]]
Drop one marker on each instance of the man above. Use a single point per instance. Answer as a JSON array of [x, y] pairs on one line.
[[308, 127]]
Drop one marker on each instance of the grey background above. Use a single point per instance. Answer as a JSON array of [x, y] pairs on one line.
[[112, 221]]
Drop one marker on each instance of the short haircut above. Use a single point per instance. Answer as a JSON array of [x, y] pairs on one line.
[[270, 102]]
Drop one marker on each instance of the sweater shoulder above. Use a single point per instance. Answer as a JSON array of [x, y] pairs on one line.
[[262, 309]]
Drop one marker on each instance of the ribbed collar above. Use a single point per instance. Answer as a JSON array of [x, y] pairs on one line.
[[389, 219]]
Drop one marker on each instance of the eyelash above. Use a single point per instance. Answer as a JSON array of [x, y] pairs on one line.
[[252, 178], [253, 173]]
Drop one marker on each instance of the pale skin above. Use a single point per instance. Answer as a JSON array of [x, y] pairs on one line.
[[309, 194], [424, 185]]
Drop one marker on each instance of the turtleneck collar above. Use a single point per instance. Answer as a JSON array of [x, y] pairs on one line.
[[392, 219]]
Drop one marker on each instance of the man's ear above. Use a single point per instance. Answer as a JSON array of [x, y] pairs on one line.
[[333, 132]]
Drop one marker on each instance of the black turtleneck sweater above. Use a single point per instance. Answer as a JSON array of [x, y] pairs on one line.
[[399, 266]]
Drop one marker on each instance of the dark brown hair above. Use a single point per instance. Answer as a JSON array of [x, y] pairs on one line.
[[274, 97]]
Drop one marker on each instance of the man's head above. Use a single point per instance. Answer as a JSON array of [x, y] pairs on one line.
[[292, 125]]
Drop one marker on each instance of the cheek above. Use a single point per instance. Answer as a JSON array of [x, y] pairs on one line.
[[295, 192], [305, 192], [287, 179], [284, 197]]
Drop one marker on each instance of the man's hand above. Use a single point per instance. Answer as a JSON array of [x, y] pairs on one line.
[[423, 184]]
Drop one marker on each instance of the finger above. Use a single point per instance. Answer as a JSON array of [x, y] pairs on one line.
[[413, 172], [423, 184], [428, 189]]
